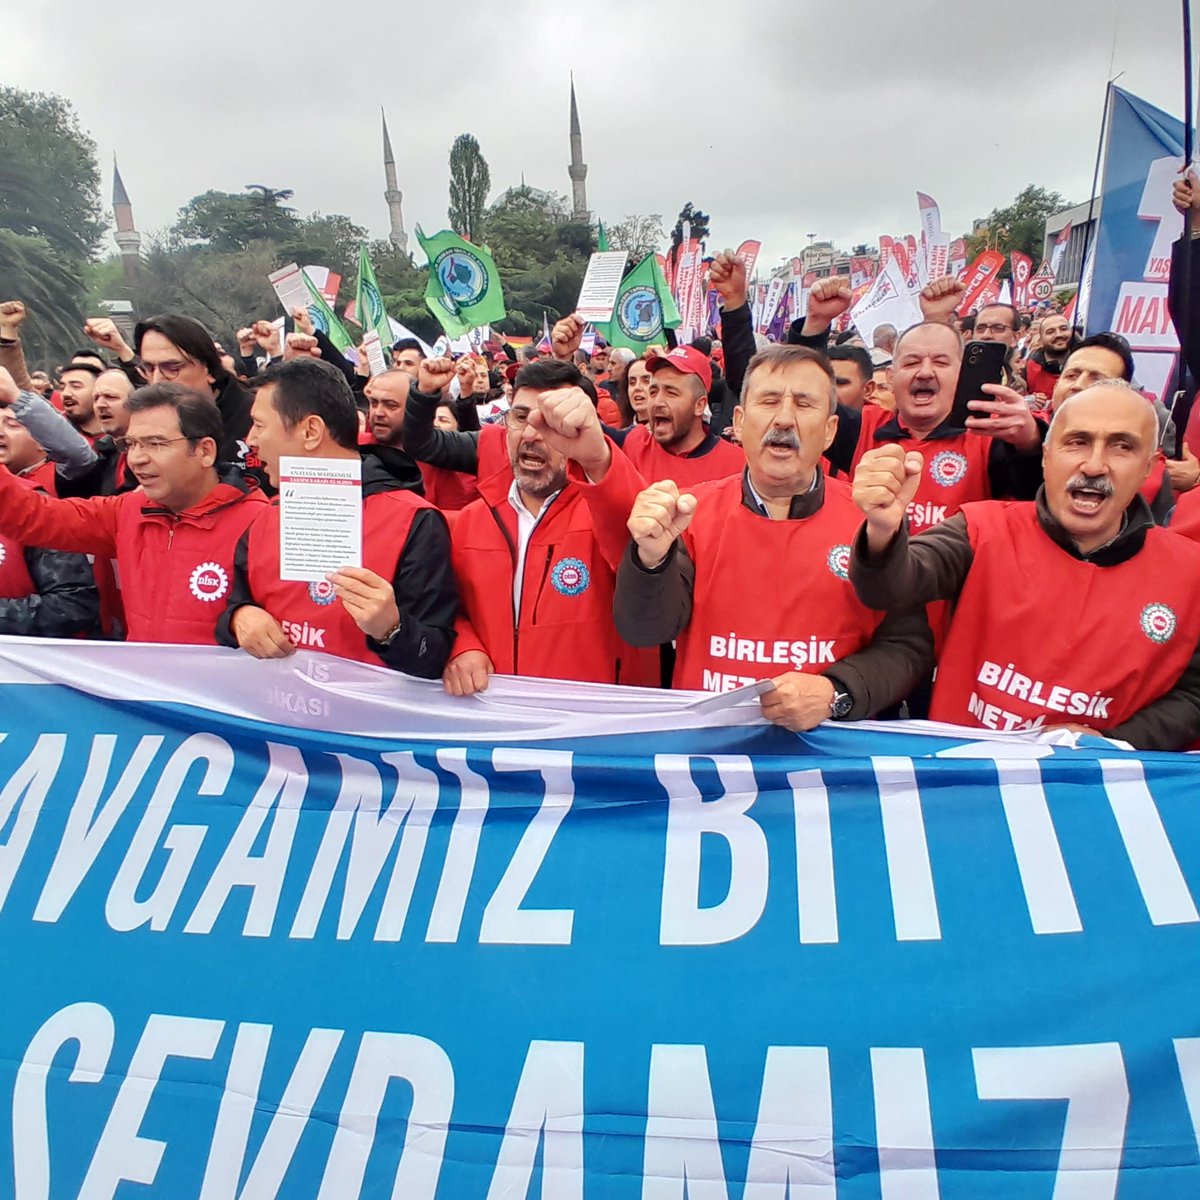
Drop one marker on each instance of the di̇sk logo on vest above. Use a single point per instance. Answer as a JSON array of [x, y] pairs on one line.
[[948, 468], [838, 561], [1158, 623], [209, 582], [322, 592]]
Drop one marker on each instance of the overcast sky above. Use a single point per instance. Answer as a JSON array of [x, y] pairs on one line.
[[779, 119]]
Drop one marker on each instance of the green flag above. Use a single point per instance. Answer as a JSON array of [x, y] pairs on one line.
[[325, 319], [463, 291], [644, 308], [368, 302], [601, 238]]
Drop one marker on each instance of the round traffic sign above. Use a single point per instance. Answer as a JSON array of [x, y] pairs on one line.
[[1041, 288]]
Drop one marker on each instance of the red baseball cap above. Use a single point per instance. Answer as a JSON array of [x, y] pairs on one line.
[[688, 361]]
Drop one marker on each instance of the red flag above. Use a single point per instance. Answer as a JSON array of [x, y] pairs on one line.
[[1022, 269], [747, 255], [979, 274], [904, 260], [887, 250]]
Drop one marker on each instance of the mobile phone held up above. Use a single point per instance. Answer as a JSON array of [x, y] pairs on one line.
[[983, 362]]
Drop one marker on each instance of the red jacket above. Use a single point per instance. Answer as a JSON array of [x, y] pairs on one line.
[[654, 463], [175, 568], [564, 629], [1186, 518]]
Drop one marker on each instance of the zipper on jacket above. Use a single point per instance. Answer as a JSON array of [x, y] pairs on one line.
[[512, 599], [541, 584]]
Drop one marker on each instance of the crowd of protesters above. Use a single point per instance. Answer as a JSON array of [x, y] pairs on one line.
[[817, 514]]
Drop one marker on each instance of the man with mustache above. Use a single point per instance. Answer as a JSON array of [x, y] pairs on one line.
[[749, 573], [1075, 611]]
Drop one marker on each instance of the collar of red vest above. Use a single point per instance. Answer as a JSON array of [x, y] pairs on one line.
[[223, 496], [894, 431], [1132, 537]]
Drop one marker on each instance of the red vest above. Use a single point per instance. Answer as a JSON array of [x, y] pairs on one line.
[[654, 463], [1186, 518], [1040, 638], [770, 596], [448, 490], [310, 613], [956, 469], [15, 580]]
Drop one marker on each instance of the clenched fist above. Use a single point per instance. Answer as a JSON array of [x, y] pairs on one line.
[[267, 336], [885, 482], [728, 275], [660, 515], [104, 332], [259, 634], [467, 673], [568, 422], [565, 338], [940, 297], [827, 300], [12, 313], [301, 345], [302, 320], [433, 374]]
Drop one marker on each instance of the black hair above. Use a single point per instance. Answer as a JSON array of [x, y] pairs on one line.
[[309, 387], [189, 335], [856, 355], [89, 352], [847, 335], [94, 371], [407, 344], [1016, 316], [967, 324], [703, 344], [198, 415], [786, 354], [1115, 343], [548, 374]]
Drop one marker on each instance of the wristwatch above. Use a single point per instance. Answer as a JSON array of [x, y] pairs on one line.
[[391, 635], [840, 705]]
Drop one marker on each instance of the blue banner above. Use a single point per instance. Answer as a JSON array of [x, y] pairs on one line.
[[1138, 224], [307, 929]]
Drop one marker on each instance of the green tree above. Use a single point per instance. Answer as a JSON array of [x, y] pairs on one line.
[[403, 289], [231, 221], [470, 182], [50, 215], [327, 240], [640, 235], [1020, 225]]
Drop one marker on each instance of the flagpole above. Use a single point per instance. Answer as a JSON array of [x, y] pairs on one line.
[[1087, 228], [1180, 406]]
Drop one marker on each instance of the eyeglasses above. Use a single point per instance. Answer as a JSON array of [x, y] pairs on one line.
[[151, 445], [993, 328], [168, 370]]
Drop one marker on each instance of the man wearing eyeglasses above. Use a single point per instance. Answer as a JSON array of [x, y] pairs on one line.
[[536, 555], [173, 538]]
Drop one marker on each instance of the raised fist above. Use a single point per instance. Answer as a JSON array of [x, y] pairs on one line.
[[104, 332], [565, 338], [301, 345], [12, 313], [434, 374], [728, 275], [568, 422], [660, 515], [940, 297], [827, 300], [247, 342], [885, 482], [303, 320], [267, 336]]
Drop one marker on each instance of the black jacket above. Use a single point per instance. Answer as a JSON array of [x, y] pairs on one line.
[[65, 602]]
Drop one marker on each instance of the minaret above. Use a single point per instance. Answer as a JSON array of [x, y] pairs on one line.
[[393, 195], [578, 168], [128, 238]]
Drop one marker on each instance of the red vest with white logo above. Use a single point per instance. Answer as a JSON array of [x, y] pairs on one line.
[[654, 463], [1040, 638], [770, 596], [955, 473], [311, 615]]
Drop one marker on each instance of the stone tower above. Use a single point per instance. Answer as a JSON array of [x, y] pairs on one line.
[[394, 196], [127, 236], [578, 168]]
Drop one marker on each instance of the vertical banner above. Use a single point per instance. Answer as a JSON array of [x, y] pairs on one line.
[[1059, 250], [862, 270], [889, 301], [1022, 269], [747, 255], [887, 248], [958, 257], [980, 275], [1132, 245], [771, 304]]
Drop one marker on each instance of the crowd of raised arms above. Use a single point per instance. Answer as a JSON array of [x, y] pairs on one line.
[[818, 516]]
